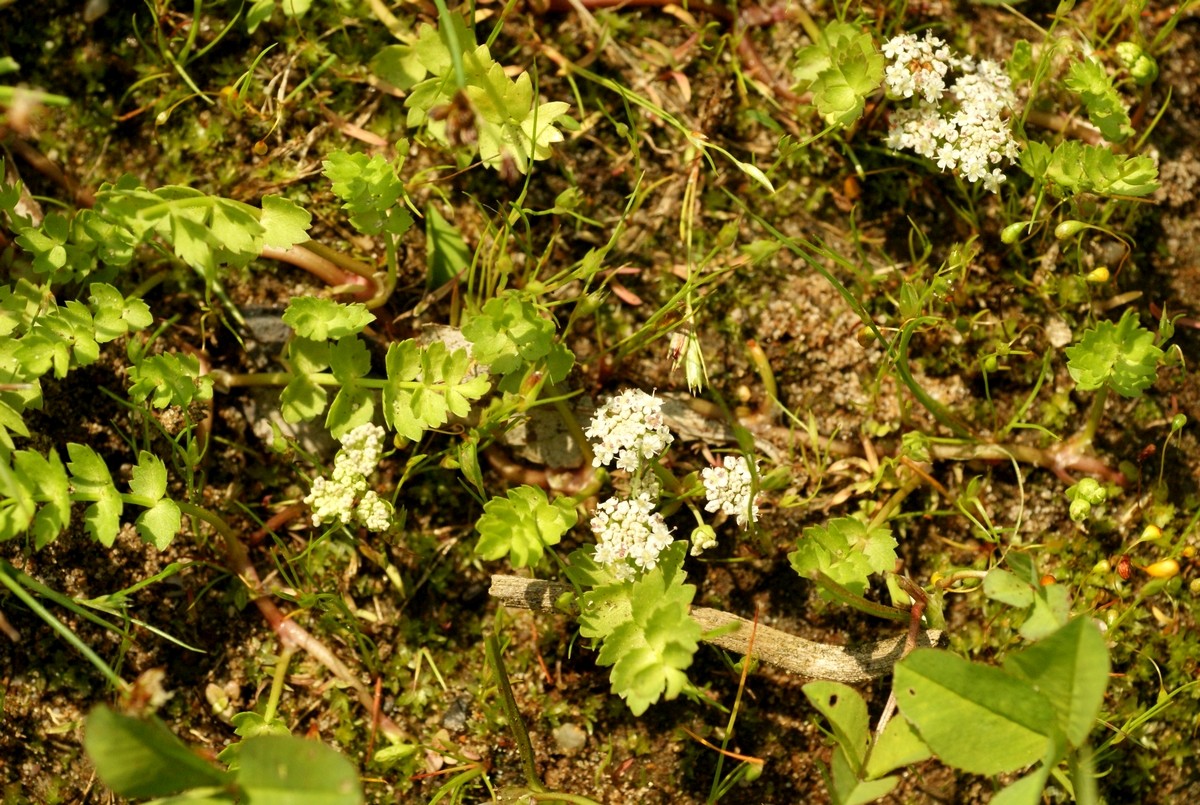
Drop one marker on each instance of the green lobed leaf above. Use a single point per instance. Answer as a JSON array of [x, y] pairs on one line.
[[973, 717], [425, 386], [284, 222], [1104, 106], [159, 524], [508, 334], [324, 319], [41, 481], [522, 525], [169, 379], [1122, 356], [648, 636], [115, 315], [137, 758], [149, 477], [92, 481], [845, 551]]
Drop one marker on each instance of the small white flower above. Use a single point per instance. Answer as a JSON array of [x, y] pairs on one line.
[[629, 530], [629, 429], [963, 127], [729, 488]]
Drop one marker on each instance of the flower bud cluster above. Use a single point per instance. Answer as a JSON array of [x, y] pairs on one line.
[[343, 497], [964, 126], [730, 488]]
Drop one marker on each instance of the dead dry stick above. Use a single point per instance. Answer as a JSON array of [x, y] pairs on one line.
[[794, 654]]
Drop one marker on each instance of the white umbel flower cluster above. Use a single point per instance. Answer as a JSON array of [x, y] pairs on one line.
[[629, 529], [963, 127], [629, 428], [343, 497], [730, 488]]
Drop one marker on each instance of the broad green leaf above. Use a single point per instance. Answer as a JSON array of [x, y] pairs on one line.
[[846, 712], [1051, 610], [446, 253], [283, 770], [1025, 791], [296, 8], [137, 758], [522, 525], [898, 746], [1000, 585], [974, 717], [324, 320], [284, 222], [400, 65], [848, 789], [1070, 668], [259, 13]]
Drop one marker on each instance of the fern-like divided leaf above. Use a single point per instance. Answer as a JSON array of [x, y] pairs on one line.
[[1076, 168], [522, 525], [169, 379], [647, 634]]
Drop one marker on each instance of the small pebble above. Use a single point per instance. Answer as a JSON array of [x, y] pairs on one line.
[[569, 737]]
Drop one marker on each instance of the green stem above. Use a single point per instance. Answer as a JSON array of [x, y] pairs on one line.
[[1094, 416], [931, 405], [32, 584], [524, 747], [58, 626], [893, 503], [277, 684]]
